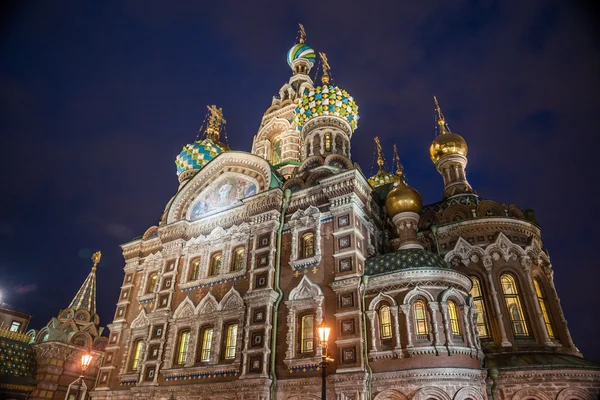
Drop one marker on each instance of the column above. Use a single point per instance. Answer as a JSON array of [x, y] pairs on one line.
[[487, 263], [550, 277], [433, 308], [406, 311], [526, 264], [372, 323], [394, 312], [448, 331]]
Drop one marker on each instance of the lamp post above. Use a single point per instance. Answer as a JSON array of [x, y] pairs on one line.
[[324, 336], [86, 360]]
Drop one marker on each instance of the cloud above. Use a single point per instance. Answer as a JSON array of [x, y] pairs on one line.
[[24, 289]]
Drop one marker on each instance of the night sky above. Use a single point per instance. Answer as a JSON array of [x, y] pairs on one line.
[[97, 99]]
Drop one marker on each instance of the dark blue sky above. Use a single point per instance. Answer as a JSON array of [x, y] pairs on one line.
[[97, 98]]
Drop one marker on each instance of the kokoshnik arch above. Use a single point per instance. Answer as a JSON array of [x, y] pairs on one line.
[[222, 300]]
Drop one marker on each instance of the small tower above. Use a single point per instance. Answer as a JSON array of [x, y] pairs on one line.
[[382, 177], [403, 205], [326, 118], [448, 151], [85, 298]]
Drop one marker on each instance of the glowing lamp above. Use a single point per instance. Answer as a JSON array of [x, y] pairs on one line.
[[86, 360], [324, 333]]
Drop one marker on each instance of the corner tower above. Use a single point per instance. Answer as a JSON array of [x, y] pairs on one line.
[[448, 151]]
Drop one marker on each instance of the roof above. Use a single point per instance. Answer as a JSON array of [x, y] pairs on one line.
[[86, 296], [536, 360], [404, 259]]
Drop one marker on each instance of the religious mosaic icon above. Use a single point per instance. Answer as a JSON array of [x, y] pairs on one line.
[[344, 242], [222, 194], [346, 265], [348, 327], [344, 220]]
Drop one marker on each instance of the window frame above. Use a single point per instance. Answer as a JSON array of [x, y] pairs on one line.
[[515, 299], [542, 301], [385, 327], [216, 261], [194, 269], [205, 344], [423, 305], [152, 283], [480, 300], [181, 349], [136, 354], [307, 237], [302, 331], [237, 261], [230, 341], [454, 318]]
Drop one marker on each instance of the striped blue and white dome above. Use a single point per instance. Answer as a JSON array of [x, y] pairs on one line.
[[301, 50]]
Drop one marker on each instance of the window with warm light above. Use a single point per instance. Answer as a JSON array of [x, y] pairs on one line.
[[215, 264], [182, 347], [238, 259], [453, 315], [195, 271], [308, 245], [543, 306], [307, 333], [206, 344], [513, 303], [152, 283], [385, 322], [230, 341], [15, 326], [420, 318], [483, 329], [137, 353], [276, 151], [328, 142]]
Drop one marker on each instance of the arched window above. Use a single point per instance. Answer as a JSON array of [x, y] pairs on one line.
[[385, 322], [152, 283], [543, 306], [206, 344], [182, 347], [238, 259], [453, 314], [328, 142], [137, 354], [308, 245], [195, 272], [276, 151], [482, 325], [513, 303], [307, 333], [230, 341], [215, 264], [420, 318]]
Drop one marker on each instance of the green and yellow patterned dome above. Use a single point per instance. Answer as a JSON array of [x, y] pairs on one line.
[[196, 155], [326, 100]]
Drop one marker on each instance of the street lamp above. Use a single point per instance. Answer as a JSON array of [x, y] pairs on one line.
[[324, 336], [86, 360]]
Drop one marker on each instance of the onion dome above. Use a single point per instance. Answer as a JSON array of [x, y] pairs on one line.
[[196, 155], [402, 198], [301, 50], [446, 143], [326, 100]]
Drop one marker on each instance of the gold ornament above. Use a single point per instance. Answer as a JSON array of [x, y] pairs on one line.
[[446, 143]]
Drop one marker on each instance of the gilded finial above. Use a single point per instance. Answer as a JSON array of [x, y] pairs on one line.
[[444, 128], [380, 159], [215, 122], [96, 259], [399, 169], [326, 69], [302, 33]]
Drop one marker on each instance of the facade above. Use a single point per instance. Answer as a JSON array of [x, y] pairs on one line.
[[17, 360], [221, 300], [13, 320]]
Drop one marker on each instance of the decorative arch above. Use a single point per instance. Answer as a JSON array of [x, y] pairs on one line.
[[390, 394], [150, 233], [379, 298], [208, 305], [531, 394], [185, 309], [232, 301], [468, 393], [457, 212], [574, 393], [489, 208], [430, 393], [275, 126], [338, 161], [504, 247], [454, 294], [515, 212], [417, 291], [141, 321], [305, 290], [81, 339], [465, 251]]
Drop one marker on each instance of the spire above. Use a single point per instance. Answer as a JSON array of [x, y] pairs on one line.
[[302, 33], [215, 123], [444, 128], [86, 296], [399, 167], [326, 69]]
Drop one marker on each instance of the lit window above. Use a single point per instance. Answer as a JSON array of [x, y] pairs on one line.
[[328, 142], [308, 245], [195, 273], [15, 326], [182, 347], [513, 303], [152, 283], [420, 318], [238, 259], [307, 333], [543, 306], [215, 264], [482, 325], [137, 353], [385, 322], [453, 313], [276, 151], [206, 344], [230, 341]]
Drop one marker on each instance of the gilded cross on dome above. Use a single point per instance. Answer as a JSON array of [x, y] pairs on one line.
[[326, 68], [302, 33], [380, 160], [215, 122], [444, 128]]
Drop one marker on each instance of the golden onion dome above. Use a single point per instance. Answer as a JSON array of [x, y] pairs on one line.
[[403, 198], [447, 144]]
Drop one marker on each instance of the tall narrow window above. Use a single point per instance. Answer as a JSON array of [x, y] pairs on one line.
[[308, 245], [420, 318], [215, 264], [453, 315], [385, 322], [206, 344], [482, 325], [328, 142], [195, 273], [513, 303], [276, 151], [238, 259], [137, 353], [307, 332], [543, 306], [182, 347], [230, 341], [152, 283]]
